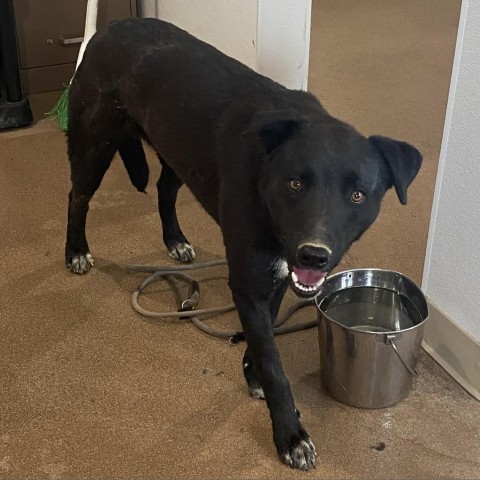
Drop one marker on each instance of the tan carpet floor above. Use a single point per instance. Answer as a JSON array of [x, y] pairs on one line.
[[88, 389]]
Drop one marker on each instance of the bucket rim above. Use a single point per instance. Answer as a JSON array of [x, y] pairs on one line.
[[323, 296]]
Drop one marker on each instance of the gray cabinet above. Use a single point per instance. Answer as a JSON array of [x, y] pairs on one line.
[[49, 34]]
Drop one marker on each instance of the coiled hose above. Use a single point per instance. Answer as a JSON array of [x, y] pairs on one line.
[[175, 274]]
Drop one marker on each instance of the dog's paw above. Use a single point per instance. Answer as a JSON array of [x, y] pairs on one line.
[[256, 392], [80, 264], [182, 251], [300, 453], [254, 388]]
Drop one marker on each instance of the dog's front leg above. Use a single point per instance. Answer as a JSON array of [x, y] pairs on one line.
[[293, 444]]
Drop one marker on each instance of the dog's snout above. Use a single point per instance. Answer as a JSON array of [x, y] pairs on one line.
[[312, 256]]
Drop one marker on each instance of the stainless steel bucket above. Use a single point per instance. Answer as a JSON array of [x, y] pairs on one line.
[[371, 325]]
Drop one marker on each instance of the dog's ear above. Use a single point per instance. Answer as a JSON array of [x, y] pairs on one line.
[[403, 163], [274, 127]]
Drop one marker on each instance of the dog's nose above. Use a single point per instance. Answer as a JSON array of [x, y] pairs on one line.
[[311, 256]]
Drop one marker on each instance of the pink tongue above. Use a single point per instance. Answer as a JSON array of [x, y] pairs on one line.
[[309, 277]]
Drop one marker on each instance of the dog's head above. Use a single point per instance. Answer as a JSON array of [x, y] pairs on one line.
[[323, 184]]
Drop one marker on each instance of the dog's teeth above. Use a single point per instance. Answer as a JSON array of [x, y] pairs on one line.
[[307, 288], [294, 278]]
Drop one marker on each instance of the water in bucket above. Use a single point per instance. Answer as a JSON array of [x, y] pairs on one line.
[[372, 309]]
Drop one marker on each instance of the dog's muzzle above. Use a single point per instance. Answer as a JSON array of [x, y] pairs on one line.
[[310, 270]]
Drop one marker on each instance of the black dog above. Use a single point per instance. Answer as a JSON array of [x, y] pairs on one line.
[[290, 186]]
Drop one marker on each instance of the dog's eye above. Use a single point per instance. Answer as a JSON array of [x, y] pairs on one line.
[[357, 197], [295, 185]]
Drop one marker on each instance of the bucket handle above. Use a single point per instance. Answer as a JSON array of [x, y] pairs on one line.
[[389, 340]]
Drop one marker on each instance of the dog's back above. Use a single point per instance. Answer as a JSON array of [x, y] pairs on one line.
[[148, 78]]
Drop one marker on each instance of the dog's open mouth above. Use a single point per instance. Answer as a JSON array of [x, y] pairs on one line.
[[306, 283]]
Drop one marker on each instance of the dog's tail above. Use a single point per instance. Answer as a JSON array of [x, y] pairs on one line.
[[133, 156]]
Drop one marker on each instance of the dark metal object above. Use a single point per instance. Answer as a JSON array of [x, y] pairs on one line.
[[14, 108]]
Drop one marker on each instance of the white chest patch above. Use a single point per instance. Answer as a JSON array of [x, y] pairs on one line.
[[280, 268]]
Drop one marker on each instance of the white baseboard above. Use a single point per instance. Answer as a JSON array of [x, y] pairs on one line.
[[454, 349]]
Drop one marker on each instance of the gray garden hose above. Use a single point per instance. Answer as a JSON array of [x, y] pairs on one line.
[[187, 305]]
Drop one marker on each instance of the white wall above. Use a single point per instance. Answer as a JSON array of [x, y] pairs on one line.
[[283, 38], [270, 36], [451, 277], [147, 8], [230, 25]]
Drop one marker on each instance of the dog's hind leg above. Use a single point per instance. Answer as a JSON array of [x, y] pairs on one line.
[[251, 376], [249, 369], [89, 161], [167, 186]]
